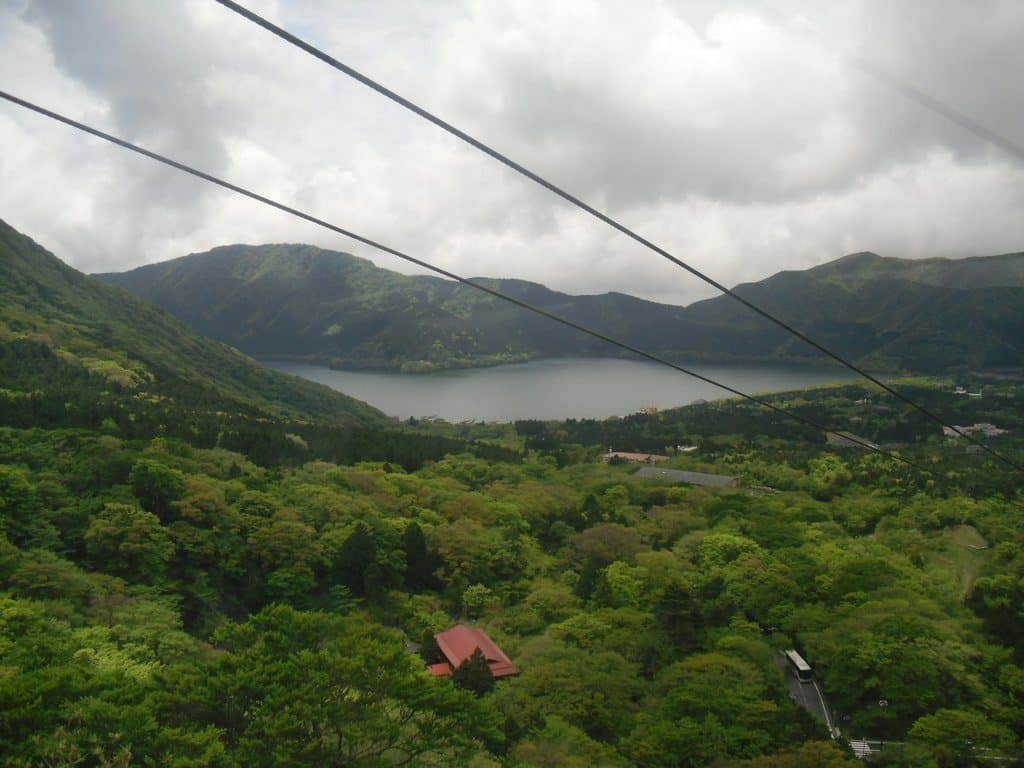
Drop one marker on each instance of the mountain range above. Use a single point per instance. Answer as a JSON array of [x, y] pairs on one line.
[[302, 302]]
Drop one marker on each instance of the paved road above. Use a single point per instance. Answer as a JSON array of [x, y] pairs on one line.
[[809, 696]]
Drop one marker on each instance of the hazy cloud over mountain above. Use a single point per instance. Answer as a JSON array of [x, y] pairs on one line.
[[734, 134]]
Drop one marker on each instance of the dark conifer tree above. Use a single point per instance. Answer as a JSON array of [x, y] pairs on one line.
[[355, 556], [429, 650], [419, 561], [679, 614], [474, 675]]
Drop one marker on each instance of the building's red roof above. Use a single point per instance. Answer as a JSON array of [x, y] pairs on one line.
[[440, 670], [458, 643]]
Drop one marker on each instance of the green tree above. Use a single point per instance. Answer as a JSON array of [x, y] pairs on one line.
[[312, 689], [589, 513], [891, 651], [21, 517], [620, 585], [288, 551], [722, 548], [474, 674], [156, 487], [342, 599], [709, 706], [956, 737], [476, 599], [598, 691], [419, 562], [129, 542], [606, 542], [86, 696], [599, 546], [560, 745], [679, 613], [811, 754], [430, 651], [355, 556]]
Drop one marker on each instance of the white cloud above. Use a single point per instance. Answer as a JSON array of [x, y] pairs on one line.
[[720, 131]]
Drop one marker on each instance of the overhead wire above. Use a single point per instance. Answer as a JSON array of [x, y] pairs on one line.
[[325, 57], [123, 143], [933, 104], [809, 31]]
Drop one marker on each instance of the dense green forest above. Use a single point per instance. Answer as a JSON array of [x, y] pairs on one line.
[[168, 604], [298, 301], [216, 565]]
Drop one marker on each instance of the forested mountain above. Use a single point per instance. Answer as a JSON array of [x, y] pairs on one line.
[[920, 315], [304, 302], [73, 326], [296, 300]]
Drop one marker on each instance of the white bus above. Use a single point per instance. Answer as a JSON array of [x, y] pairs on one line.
[[800, 668]]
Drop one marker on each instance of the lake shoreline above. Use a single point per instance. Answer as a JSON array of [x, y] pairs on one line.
[[426, 368], [555, 388]]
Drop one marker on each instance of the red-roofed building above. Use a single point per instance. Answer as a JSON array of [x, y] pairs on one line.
[[458, 643]]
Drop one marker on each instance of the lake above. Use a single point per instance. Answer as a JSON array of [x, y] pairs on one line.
[[554, 389]]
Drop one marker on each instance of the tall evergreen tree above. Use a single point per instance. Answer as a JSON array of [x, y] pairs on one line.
[[419, 561], [355, 556], [474, 675], [679, 614], [430, 652]]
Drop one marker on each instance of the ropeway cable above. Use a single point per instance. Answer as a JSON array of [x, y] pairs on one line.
[[441, 271], [579, 203]]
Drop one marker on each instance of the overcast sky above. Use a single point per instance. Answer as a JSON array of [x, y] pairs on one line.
[[734, 134]]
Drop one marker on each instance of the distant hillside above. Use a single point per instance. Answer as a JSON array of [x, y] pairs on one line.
[[298, 301], [920, 315], [59, 327]]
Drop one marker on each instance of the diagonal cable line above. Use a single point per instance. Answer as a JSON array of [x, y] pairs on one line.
[[439, 270], [579, 203], [929, 102], [898, 84]]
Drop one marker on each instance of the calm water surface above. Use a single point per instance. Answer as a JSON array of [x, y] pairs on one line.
[[553, 389]]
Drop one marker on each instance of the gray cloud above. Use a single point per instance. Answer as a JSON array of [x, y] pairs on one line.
[[753, 106], [734, 134]]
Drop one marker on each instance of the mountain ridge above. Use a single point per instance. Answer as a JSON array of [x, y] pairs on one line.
[[301, 302]]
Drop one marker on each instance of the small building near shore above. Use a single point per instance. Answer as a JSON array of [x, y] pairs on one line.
[[458, 644], [987, 429], [633, 458], [704, 479], [849, 440]]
